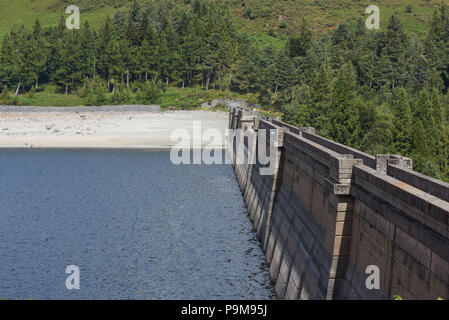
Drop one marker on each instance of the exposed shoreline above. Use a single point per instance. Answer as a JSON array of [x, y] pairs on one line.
[[81, 109], [106, 127]]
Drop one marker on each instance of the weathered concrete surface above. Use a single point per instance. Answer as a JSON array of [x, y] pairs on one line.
[[330, 211]]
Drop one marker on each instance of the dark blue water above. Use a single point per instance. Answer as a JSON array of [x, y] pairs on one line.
[[137, 226]]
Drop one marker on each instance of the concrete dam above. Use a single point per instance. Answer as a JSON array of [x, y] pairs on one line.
[[330, 214]]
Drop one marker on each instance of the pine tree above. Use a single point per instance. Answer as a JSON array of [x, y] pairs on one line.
[[162, 58], [285, 70], [396, 49], [173, 55], [145, 31], [384, 72], [126, 59], [267, 70], [131, 32], [118, 22], [424, 113], [190, 51], [317, 106], [245, 71], [22, 53], [136, 13], [7, 56], [70, 71], [379, 138], [366, 69], [88, 51], [116, 68], [55, 46], [441, 148], [38, 53], [107, 38], [402, 123], [420, 147], [344, 115], [298, 46]]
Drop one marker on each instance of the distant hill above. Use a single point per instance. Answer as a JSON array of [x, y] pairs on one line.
[[266, 20]]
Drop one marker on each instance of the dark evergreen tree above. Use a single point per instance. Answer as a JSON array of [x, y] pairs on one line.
[[402, 123], [136, 13], [118, 22], [88, 51], [344, 115], [298, 46]]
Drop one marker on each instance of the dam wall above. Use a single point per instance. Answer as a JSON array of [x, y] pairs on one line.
[[329, 214]]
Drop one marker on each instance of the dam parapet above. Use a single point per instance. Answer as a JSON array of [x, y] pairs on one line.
[[331, 215]]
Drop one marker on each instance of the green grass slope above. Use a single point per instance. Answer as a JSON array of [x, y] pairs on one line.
[[323, 15], [14, 13], [268, 21]]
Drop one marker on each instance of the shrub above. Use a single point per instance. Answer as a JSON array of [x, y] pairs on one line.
[[84, 91], [91, 100], [221, 106], [139, 95], [253, 99], [4, 96], [283, 25], [188, 105], [101, 96], [125, 95], [32, 93], [150, 93], [116, 97], [9, 99]]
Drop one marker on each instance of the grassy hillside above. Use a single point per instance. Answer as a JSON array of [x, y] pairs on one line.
[[14, 13], [267, 20], [326, 15]]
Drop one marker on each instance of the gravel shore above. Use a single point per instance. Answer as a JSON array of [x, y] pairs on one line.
[[107, 127]]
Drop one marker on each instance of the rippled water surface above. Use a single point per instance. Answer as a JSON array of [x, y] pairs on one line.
[[137, 226]]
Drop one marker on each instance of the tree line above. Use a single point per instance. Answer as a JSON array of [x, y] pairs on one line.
[[158, 43]]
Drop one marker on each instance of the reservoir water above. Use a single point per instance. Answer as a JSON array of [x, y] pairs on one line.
[[137, 226]]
